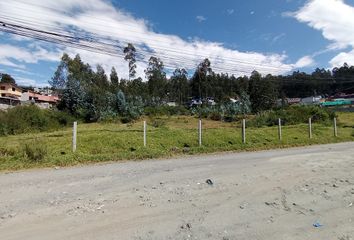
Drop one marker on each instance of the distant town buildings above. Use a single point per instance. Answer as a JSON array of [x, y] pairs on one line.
[[12, 95], [340, 99], [312, 100]]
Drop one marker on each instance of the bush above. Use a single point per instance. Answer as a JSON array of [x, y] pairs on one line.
[[293, 115], [24, 119], [166, 111], [35, 151], [158, 123], [59, 119], [216, 116], [126, 120], [3, 126], [4, 152]]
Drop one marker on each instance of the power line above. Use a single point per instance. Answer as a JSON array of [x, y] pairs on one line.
[[90, 44], [161, 49]]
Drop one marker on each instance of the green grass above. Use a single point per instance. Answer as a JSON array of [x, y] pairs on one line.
[[114, 142]]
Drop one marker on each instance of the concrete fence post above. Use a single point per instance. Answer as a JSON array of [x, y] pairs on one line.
[[244, 131], [279, 130], [144, 133], [200, 132], [310, 128], [335, 127], [74, 136]]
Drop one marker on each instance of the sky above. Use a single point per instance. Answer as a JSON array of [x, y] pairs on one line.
[[273, 36]]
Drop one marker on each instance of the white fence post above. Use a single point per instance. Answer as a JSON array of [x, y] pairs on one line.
[[200, 132], [279, 130], [74, 136], [244, 131], [144, 133], [335, 127], [310, 128]]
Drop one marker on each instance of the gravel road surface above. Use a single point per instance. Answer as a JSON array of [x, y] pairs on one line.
[[300, 193]]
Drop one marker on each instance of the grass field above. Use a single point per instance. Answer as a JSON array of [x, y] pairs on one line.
[[166, 137]]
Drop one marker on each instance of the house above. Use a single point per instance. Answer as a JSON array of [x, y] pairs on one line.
[[349, 97], [292, 101], [171, 104], [10, 90], [311, 100], [195, 102], [233, 100], [6, 103], [210, 101], [42, 101], [337, 102]]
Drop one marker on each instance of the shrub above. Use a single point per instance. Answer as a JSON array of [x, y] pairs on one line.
[[23, 119], [59, 119], [293, 115], [6, 152], [26, 118], [125, 120], [34, 151], [228, 111], [3, 125], [166, 111], [158, 123], [216, 116]]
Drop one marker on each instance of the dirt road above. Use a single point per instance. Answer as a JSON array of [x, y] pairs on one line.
[[276, 194]]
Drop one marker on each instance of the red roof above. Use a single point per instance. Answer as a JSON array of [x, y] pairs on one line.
[[293, 100], [43, 98]]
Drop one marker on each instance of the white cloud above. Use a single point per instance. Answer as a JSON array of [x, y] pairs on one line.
[[20, 38], [6, 62], [278, 37], [31, 54], [335, 19], [230, 11], [343, 57], [101, 19], [28, 82], [200, 18], [304, 62]]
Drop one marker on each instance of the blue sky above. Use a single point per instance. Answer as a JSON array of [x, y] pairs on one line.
[[274, 36]]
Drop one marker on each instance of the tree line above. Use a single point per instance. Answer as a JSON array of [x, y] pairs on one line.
[[93, 94]]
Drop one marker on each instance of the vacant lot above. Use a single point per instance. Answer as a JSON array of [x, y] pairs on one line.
[[277, 194], [166, 137]]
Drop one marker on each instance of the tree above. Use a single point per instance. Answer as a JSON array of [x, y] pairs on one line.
[[137, 88], [114, 79], [72, 97], [179, 86], [199, 83], [130, 56], [156, 80], [343, 78], [60, 78], [263, 94], [100, 79], [245, 103], [98, 94], [242, 84], [75, 79], [6, 78], [121, 103]]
